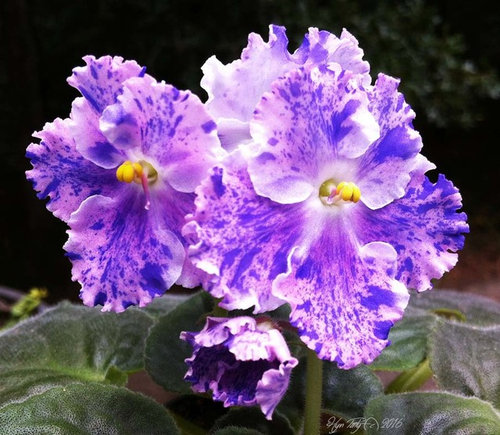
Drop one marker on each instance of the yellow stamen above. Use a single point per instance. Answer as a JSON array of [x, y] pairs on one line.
[[331, 193], [128, 172], [356, 194], [346, 192]]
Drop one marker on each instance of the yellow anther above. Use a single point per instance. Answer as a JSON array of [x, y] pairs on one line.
[[137, 169], [331, 193], [346, 192], [356, 194], [128, 172], [341, 185]]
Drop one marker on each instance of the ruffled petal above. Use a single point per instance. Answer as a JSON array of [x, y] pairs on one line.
[[240, 238], [90, 141], [423, 226], [176, 206], [344, 297], [310, 120], [122, 254], [100, 80], [242, 364], [167, 127], [235, 89], [395, 153], [320, 46], [61, 173]]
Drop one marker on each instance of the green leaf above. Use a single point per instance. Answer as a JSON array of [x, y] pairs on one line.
[[165, 351], [252, 418], [70, 343], [478, 310], [466, 359], [162, 305], [86, 409], [409, 337], [408, 342], [345, 392], [429, 414]]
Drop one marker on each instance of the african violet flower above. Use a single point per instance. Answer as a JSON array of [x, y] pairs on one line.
[[121, 172], [235, 89], [328, 209], [243, 362]]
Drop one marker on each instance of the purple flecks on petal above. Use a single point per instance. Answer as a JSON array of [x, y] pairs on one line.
[[90, 142], [170, 128], [241, 238], [343, 295], [395, 153], [235, 89], [423, 226], [311, 119], [62, 174], [320, 46], [101, 79], [122, 254], [241, 364]]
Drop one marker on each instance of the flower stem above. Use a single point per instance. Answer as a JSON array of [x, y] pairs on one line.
[[411, 380], [314, 384]]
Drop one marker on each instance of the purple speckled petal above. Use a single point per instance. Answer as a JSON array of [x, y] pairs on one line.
[[311, 119], [344, 297], [62, 174], [90, 141], [241, 363], [240, 238], [235, 89], [272, 387], [123, 254], [100, 80], [321, 46], [170, 128], [395, 153], [423, 226]]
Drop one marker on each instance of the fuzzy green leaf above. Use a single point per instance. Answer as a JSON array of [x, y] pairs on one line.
[[86, 409], [466, 359], [70, 343], [165, 351], [430, 414], [253, 419]]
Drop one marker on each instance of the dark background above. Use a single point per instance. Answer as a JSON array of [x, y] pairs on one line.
[[446, 52]]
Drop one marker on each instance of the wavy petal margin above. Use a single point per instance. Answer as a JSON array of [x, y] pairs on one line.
[[242, 364], [424, 227], [122, 254], [240, 238], [344, 297], [61, 173]]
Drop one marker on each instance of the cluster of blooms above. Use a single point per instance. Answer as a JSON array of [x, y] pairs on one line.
[[298, 181]]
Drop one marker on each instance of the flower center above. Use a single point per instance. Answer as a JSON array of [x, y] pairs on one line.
[[331, 193], [140, 172]]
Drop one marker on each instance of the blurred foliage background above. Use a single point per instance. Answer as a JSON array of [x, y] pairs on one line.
[[446, 52]]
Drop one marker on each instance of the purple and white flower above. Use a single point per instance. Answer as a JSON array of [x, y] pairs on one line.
[[121, 172], [243, 362], [327, 208], [235, 89]]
